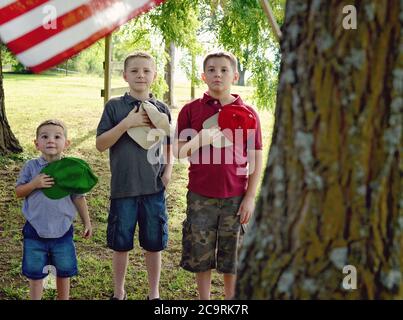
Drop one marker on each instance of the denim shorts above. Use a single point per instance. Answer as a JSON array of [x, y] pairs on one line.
[[150, 213], [41, 252]]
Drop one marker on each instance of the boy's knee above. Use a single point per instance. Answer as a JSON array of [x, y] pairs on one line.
[[154, 246]]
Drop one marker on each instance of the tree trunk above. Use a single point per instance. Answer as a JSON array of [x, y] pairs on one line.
[[193, 77], [332, 193], [8, 142], [169, 97], [241, 71]]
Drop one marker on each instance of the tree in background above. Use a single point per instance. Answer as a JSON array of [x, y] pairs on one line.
[[8, 142], [197, 27], [89, 61], [139, 34], [9, 59], [254, 44], [177, 22], [181, 23], [332, 193]]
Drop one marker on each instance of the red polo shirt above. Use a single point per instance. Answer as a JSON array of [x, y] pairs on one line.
[[215, 172]]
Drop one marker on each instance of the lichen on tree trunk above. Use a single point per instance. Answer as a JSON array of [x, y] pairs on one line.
[[332, 194]]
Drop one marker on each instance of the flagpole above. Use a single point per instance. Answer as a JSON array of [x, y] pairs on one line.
[[269, 13]]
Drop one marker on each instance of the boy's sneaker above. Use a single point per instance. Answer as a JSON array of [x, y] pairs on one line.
[[114, 298], [148, 298]]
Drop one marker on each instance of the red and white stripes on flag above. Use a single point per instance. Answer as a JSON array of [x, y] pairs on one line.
[[43, 33]]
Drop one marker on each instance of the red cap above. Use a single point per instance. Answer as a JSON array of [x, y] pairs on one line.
[[236, 117]]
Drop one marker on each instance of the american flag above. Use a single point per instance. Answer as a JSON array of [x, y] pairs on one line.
[[43, 33]]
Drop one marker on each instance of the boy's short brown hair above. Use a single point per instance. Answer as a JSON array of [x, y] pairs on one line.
[[138, 54], [221, 54], [52, 122]]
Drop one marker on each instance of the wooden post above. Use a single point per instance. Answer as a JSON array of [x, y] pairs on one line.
[[107, 68], [269, 13]]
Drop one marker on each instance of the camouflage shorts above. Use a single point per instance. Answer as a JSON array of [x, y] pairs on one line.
[[211, 235]]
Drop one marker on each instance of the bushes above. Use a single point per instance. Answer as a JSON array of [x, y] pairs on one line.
[[90, 61]]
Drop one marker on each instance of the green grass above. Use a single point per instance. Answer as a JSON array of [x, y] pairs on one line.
[[76, 100]]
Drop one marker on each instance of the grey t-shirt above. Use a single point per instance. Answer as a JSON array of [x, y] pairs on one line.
[[132, 172], [50, 218]]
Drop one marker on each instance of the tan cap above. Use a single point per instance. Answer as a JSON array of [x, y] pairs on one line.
[[146, 136]]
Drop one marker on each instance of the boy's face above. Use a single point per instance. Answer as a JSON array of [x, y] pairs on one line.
[[140, 74], [219, 75], [51, 141]]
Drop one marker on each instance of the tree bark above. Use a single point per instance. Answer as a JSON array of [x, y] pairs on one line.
[[169, 96], [8, 142], [332, 193], [193, 77], [241, 71]]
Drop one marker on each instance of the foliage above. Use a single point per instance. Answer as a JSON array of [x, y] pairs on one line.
[[139, 35], [264, 79], [189, 69], [253, 43], [9, 59], [90, 61], [239, 26], [177, 21], [159, 87], [133, 36]]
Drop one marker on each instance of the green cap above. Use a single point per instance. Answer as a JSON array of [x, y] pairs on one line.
[[71, 175]]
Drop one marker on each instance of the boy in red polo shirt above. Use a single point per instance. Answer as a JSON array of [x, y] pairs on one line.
[[223, 178]]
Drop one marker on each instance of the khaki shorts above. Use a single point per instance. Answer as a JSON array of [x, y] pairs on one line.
[[211, 234]]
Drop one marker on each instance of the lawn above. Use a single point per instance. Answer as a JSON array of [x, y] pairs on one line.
[[76, 100]]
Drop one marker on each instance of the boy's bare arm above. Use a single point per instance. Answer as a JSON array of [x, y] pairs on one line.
[[248, 202], [255, 170], [133, 119], [183, 149], [40, 181], [82, 208], [168, 157]]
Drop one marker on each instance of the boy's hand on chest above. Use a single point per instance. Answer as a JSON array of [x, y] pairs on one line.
[[137, 119]]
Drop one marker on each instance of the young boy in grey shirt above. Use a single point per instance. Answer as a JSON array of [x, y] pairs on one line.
[[48, 231], [137, 185]]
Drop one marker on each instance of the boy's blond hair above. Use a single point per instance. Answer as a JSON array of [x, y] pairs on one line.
[[221, 54], [52, 122], [139, 54]]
